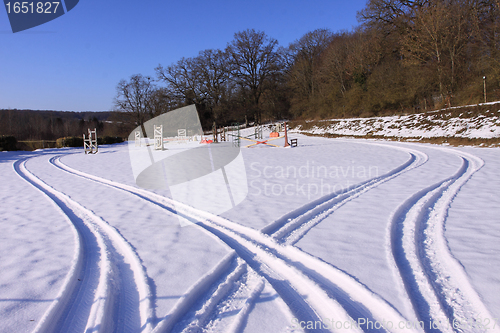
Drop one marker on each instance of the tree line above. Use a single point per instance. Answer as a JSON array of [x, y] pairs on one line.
[[30, 125], [244, 82], [405, 56]]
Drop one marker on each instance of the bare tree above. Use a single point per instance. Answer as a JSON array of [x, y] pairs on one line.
[[438, 37], [390, 15], [255, 62], [182, 81], [203, 80], [135, 96], [486, 20], [161, 101], [307, 52], [213, 69]]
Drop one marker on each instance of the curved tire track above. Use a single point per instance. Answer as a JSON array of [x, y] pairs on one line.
[[241, 318], [291, 272], [216, 289], [289, 282], [202, 316], [109, 269], [291, 227], [434, 280]]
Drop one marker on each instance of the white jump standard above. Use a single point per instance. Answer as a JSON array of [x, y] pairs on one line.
[[158, 133], [137, 138], [90, 144]]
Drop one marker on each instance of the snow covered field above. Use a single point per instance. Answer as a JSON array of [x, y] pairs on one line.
[[334, 235]]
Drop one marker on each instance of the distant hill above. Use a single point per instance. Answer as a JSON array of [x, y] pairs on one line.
[[99, 115], [51, 125]]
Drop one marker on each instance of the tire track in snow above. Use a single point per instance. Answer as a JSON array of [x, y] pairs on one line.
[[76, 301], [307, 301], [82, 259], [241, 318], [291, 272], [111, 282], [291, 227], [359, 302], [193, 294], [217, 288], [214, 288], [289, 282], [435, 281], [202, 316]]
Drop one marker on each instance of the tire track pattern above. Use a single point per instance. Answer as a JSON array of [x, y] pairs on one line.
[[434, 280], [290, 228], [222, 295], [292, 274], [106, 289]]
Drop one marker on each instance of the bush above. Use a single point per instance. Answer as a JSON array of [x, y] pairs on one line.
[[78, 141], [8, 143], [109, 140], [34, 145], [69, 142]]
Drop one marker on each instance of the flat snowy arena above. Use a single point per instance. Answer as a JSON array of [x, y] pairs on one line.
[[334, 235]]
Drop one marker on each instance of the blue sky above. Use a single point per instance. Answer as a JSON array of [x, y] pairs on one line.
[[74, 62]]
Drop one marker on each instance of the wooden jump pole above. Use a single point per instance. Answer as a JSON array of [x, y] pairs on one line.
[[286, 136]]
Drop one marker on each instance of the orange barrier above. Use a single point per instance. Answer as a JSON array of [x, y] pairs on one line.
[[274, 135]]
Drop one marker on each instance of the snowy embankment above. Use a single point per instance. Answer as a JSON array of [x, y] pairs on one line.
[[468, 122]]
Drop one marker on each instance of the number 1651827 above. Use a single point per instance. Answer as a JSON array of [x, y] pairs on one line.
[[31, 7]]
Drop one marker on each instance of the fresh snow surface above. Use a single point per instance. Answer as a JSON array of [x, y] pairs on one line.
[[336, 235]]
